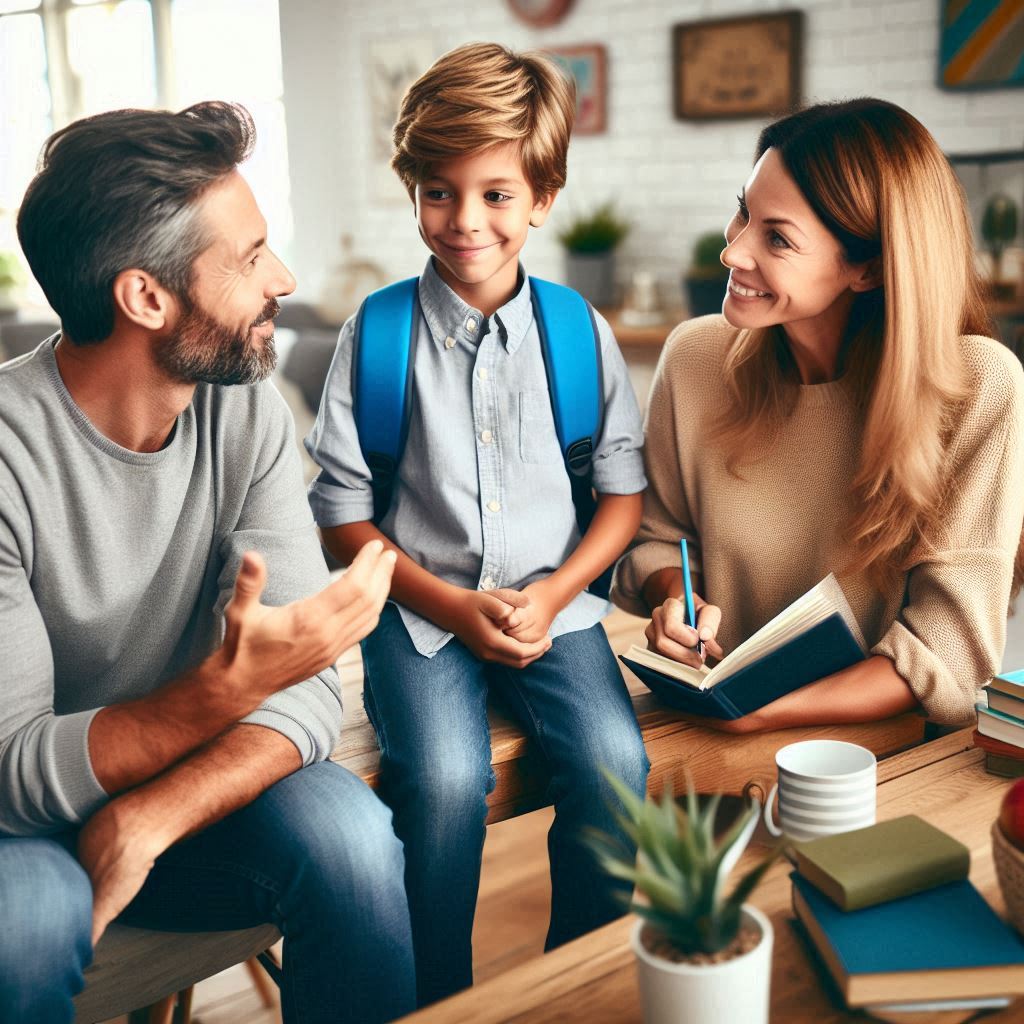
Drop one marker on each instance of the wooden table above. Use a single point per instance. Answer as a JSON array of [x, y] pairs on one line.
[[594, 980]]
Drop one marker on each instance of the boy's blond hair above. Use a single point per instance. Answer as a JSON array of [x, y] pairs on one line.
[[481, 95]]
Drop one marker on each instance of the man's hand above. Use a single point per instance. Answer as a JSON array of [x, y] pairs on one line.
[[668, 634], [479, 622], [531, 620], [120, 842], [117, 848], [280, 646]]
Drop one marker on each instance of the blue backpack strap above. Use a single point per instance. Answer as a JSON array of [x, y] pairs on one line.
[[571, 346], [382, 374]]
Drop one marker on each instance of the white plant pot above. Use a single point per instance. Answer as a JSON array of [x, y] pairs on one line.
[[736, 990]]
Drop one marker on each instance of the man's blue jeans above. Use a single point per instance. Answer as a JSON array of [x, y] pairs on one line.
[[315, 854], [430, 715]]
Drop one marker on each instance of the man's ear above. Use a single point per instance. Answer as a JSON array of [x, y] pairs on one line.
[[142, 299], [541, 209], [870, 276]]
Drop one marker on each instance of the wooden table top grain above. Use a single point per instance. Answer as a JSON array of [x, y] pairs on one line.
[[593, 979]]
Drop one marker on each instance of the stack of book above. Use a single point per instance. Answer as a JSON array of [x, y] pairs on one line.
[[1000, 731], [897, 925]]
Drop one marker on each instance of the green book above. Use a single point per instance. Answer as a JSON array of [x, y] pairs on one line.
[[882, 862], [1007, 767]]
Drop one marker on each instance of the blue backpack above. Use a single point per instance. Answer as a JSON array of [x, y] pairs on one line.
[[387, 326]]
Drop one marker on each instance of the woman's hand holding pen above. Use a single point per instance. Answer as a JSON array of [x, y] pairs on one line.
[[668, 634]]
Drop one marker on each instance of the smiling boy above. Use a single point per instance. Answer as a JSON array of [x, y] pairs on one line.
[[490, 582]]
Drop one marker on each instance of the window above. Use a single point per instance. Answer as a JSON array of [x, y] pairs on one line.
[[65, 59]]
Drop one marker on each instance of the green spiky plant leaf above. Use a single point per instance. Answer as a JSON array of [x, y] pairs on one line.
[[680, 868], [595, 232], [706, 264]]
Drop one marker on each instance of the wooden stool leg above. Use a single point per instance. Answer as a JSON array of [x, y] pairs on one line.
[[264, 986], [183, 1012], [161, 1012]]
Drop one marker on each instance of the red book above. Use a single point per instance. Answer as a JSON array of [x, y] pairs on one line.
[[992, 746]]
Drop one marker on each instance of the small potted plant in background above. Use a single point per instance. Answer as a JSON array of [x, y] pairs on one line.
[[11, 280], [702, 955], [706, 280], [999, 229], [590, 242]]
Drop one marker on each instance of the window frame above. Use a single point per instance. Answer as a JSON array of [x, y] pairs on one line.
[[65, 104]]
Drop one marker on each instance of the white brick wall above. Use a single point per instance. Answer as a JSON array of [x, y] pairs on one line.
[[672, 179]]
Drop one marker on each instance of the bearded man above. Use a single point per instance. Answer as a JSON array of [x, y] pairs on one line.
[[167, 630]]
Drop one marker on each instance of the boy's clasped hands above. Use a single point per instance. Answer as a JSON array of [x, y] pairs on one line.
[[508, 626]]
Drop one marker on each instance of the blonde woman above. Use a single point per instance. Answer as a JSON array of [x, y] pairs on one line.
[[847, 413]]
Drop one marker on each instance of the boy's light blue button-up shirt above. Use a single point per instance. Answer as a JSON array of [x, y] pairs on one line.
[[481, 496]]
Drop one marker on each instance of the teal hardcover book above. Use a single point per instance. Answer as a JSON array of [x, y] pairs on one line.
[[942, 944], [1010, 683], [998, 725]]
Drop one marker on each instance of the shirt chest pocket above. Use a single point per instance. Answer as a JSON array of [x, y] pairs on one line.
[[538, 442]]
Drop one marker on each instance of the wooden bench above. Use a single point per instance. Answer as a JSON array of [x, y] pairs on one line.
[[139, 968]]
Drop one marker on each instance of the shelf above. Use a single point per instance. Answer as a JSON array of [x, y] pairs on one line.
[[642, 337], [1000, 156]]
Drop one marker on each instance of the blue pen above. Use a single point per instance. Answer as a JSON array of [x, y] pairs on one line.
[[691, 613]]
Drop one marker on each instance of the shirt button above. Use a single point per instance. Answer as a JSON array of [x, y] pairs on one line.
[[449, 342], [471, 324], [494, 506], [487, 437], [482, 373], [487, 583]]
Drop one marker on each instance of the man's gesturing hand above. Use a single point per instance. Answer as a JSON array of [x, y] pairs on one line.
[[274, 647]]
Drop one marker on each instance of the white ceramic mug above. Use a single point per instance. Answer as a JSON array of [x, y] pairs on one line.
[[825, 787]]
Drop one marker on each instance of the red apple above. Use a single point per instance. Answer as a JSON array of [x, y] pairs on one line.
[[1011, 814]]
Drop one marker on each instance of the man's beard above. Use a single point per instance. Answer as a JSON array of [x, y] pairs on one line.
[[203, 349]]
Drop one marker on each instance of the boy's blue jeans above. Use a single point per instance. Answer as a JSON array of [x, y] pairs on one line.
[[315, 854], [430, 715]]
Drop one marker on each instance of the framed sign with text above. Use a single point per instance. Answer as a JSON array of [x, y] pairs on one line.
[[748, 66]]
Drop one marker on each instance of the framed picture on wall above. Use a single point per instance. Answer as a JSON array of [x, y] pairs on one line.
[[392, 65], [589, 66], [750, 66], [540, 13], [981, 44]]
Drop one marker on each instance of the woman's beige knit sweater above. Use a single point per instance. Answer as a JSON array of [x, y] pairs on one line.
[[760, 542]]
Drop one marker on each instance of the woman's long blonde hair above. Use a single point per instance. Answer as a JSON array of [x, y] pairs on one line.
[[879, 182]]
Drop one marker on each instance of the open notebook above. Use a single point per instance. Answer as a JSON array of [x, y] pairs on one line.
[[812, 638]]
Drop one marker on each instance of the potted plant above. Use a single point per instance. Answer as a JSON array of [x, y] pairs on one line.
[[706, 279], [11, 280], [999, 229], [701, 955], [590, 242]]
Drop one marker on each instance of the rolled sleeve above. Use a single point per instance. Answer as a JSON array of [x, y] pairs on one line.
[[46, 777], [342, 491], [618, 465], [309, 714], [947, 646]]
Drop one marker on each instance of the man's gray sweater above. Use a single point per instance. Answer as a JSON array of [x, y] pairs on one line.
[[115, 567]]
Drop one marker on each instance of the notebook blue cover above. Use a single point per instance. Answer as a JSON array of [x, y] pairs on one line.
[[947, 928], [823, 649]]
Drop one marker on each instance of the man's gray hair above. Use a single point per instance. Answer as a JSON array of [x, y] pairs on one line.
[[122, 190]]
